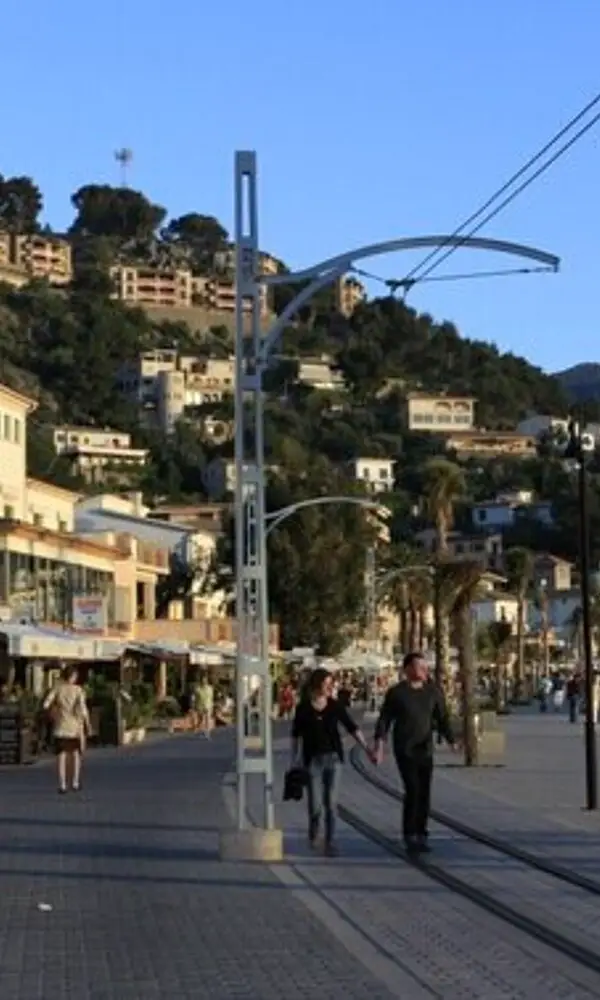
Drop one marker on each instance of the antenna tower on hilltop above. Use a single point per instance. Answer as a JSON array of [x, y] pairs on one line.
[[123, 157]]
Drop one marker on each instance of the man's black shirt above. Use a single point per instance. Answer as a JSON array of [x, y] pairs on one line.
[[414, 713], [319, 731]]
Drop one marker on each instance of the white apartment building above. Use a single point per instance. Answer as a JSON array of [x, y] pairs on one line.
[[320, 375], [98, 455], [486, 549], [504, 511], [176, 288], [538, 424], [439, 414], [127, 514], [167, 386], [376, 474], [24, 256], [496, 607]]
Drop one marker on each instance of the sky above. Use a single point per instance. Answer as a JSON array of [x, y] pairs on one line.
[[371, 121]]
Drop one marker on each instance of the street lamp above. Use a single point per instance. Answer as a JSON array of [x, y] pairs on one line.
[[578, 446], [252, 358], [275, 517]]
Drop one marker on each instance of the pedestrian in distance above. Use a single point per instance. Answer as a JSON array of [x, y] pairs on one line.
[[413, 709], [70, 727], [317, 746]]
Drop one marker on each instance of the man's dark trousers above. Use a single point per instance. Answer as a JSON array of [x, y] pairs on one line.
[[416, 773]]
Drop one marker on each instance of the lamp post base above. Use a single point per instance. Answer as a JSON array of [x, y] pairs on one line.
[[251, 845]]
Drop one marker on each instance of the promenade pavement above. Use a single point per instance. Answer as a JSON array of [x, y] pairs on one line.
[[418, 938], [117, 893], [536, 799]]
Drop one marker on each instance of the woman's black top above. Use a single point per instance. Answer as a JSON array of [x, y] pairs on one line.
[[319, 731]]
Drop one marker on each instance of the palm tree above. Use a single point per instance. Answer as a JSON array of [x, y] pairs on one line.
[[461, 583], [408, 592], [445, 485], [519, 563]]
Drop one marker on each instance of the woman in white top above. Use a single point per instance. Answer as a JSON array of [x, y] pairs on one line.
[[70, 726]]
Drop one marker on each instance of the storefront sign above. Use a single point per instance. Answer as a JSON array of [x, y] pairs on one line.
[[89, 614]]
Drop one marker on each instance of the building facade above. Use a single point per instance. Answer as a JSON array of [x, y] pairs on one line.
[[167, 386], [376, 474], [492, 444], [439, 414], [99, 455], [45, 567], [25, 256], [176, 288]]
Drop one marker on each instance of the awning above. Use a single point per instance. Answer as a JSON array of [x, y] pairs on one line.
[[109, 649], [37, 642]]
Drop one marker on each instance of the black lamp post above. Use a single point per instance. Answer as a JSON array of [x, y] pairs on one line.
[[576, 449]]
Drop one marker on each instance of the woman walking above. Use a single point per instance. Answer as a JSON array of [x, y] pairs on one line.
[[70, 727], [317, 744]]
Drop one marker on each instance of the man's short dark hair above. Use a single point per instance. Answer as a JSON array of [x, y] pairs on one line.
[[411, 658]]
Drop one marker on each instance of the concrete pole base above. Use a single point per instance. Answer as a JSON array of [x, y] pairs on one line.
[[251, 845]]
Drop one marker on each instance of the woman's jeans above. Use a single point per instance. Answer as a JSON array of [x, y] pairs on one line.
[[322, 787]]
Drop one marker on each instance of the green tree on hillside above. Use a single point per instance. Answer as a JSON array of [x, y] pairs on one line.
[[121, 213], [202, 235], [21, 204]]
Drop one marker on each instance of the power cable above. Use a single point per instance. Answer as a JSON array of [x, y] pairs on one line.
[[508, 184], [394, 283], [511, 197]]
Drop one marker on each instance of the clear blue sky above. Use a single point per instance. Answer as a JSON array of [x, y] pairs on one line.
[[371, 121]]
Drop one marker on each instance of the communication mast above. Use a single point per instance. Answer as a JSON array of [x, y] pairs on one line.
[[123, 157]]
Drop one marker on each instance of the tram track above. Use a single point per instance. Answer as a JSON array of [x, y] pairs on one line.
[[534, 861], [564, 944]]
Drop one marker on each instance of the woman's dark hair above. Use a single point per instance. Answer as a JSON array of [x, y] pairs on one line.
[[317, 679], [68, 672]]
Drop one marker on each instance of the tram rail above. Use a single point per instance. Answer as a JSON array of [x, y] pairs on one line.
[[564, 944]]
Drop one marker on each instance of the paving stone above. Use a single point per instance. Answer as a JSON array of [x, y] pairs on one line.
[[449, 946], [140, 905]]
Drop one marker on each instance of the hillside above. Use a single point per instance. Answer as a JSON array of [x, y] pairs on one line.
[[65, 346], [581, 382]]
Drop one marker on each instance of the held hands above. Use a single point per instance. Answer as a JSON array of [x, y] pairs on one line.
[[375, 754]]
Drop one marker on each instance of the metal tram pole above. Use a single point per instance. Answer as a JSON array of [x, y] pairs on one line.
[[576, 450], [254, 753]]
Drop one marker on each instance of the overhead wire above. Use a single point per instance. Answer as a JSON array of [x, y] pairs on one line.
[[394, 283], [570, 125], [442, 252], [512, 196]]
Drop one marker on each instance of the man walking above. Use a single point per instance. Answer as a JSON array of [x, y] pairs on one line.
[[413, 708]]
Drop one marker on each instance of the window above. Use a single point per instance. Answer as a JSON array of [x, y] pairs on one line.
[[366, 474], [17, 431], [7, 422], [384, 473], [482, 515], [62, 525], [9, 512], [38, 520]]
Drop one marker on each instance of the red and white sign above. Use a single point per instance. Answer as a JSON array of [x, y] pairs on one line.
[[89, 614]]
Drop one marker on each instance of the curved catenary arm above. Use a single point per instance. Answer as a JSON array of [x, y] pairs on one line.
[[329, 271], [277, 516], [344, 260]]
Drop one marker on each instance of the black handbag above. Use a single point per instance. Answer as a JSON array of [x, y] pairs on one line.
[[294, 784]]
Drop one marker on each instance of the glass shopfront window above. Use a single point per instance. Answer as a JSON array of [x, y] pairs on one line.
[[46, 587]]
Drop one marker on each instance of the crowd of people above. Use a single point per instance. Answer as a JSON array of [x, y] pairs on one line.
[[561, 688]]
